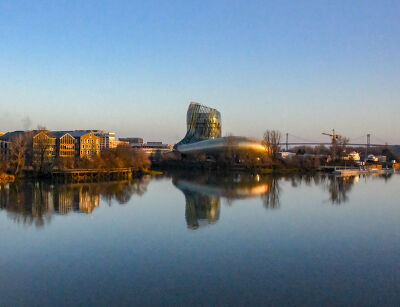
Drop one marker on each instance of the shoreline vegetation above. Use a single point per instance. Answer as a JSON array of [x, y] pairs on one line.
[[275, 160], [27, 161], [6, 178]]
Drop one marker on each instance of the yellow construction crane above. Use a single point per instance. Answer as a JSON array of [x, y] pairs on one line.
[[333, 135]]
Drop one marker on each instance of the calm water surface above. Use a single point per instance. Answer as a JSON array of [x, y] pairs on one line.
[[197, 239]]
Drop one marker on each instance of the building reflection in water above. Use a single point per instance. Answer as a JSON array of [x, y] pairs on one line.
[[79, 198], [30, 202], [34, 203], [201, 209], [203, 194]]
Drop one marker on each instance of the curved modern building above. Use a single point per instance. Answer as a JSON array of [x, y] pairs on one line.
[[202, 123], [204, 134]]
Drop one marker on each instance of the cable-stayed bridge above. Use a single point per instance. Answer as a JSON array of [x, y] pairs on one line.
[[367, 140]]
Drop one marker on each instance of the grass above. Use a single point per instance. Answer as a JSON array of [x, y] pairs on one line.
[[152, 172]]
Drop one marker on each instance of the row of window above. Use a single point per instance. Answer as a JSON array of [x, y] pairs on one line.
[[88, 152], [68, 140], [90, 146]]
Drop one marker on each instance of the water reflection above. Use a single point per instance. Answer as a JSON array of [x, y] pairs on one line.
[[201, 209], [339, 188], [34, 203], [203, 194]]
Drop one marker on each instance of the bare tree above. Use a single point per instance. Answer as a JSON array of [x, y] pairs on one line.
[[229, 154], [18, 151], [43, 150], [272, 139], [338, 147]]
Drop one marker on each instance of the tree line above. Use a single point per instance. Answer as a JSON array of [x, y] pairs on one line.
[[25, 154]]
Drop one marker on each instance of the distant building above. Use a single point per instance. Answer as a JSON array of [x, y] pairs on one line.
[[87, 144], [107, 139], [6, 141], [202, 122], [286, 155], [372, 158], [47, 145], [4, 149], [352, 156], [65, 144], [132, 141], [115, 144], [152, 148], [44, 146], [203, 135]]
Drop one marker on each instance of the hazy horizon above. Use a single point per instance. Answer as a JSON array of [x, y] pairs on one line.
[[133, 67]]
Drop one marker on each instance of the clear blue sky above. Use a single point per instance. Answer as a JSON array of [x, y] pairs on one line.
[[132, 67]]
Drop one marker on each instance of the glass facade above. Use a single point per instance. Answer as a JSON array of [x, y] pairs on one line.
[[203, 123]]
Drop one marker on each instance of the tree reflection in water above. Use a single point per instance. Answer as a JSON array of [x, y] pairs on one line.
[[271, 197], [204, 191], [27, 203], [339, 187], [35, 202]]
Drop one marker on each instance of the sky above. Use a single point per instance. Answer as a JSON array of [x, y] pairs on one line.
[[132, 67]]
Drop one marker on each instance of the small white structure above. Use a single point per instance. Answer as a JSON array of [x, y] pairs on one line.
[[286, 154], [353, 156], [372, 158]]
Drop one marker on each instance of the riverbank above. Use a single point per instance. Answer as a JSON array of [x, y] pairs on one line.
[[277, 167], [210, 166], [82, 175]]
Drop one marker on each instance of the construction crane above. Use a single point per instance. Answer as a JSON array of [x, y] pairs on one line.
[[333, 135]]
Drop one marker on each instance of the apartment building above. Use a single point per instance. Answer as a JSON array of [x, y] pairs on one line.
[[87, 144], [65, 144], [44, 146], [6, 141]]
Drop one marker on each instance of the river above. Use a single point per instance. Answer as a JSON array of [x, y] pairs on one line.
[[201, 239]]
